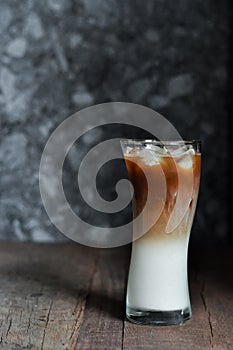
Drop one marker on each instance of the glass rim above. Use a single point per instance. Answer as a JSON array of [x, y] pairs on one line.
[[162, 142]]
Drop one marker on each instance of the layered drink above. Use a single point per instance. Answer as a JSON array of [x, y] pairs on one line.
[[165, 177]]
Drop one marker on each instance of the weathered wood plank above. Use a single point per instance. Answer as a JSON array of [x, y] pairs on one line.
[[215, 269], [102, 326], [43, 294], [66, 296]]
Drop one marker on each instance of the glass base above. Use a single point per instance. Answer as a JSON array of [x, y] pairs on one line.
[[158, 318]]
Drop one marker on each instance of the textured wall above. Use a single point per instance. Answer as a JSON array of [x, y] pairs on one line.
[[58, 56]]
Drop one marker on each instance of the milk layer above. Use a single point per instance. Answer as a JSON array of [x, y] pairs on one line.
[[158, 275]]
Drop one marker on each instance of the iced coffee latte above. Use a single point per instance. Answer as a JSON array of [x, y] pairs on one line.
[[165, 178]]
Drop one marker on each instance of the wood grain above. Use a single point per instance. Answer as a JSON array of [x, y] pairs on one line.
[[43, 294], [66, 296], [102, 326]]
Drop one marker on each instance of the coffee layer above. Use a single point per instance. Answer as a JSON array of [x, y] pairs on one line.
[[168, 208]]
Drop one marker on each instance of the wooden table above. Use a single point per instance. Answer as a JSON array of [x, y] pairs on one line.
[[66, 296]]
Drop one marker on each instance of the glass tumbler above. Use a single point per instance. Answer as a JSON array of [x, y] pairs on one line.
[[165, 176]]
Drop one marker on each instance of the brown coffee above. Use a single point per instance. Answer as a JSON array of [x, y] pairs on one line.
[[173, 174]]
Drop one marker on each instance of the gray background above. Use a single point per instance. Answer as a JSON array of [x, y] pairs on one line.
[[59, 56]]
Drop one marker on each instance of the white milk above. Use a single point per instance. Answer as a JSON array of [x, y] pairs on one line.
[[158, 275]]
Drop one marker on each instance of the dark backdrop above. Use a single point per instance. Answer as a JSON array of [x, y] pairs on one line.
[[59, 56]]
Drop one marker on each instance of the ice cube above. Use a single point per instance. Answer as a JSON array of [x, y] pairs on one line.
[[149, 157], [132, 151], [186, 159], [128, 150], [150, 154], [182, 154], [179, 150], [161, 151]]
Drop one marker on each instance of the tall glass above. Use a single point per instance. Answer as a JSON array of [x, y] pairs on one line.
[[165, 176]]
